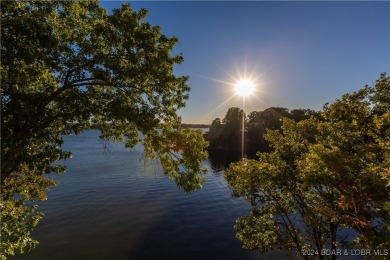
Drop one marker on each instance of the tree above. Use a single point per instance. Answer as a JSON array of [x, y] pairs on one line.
[[67, 66], [302, 114], [259, 122], [233, 117], [215, 128], [226, 136], [323, 176]]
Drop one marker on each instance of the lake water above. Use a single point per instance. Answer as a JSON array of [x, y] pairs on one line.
[[110, 204]]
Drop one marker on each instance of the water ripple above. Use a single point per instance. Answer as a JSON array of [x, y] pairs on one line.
[[113, 205]]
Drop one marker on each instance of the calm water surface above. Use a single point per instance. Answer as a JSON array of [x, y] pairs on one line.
[[110, 204]]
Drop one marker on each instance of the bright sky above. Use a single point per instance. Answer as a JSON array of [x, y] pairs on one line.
[[299, 54]]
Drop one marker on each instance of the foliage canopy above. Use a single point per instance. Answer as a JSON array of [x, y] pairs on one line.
[[322, 177], [67, 66]]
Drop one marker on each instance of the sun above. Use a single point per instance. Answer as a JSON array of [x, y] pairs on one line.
[[245, 87]]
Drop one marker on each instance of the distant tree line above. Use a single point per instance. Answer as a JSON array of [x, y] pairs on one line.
[[195, 125], [225, 135]]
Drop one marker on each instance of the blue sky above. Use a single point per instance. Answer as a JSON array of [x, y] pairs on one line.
[[301, 54]]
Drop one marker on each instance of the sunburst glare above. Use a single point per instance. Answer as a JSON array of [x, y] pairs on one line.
[[245, 87]]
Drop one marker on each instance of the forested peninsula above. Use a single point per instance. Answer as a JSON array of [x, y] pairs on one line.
[[225, 135]]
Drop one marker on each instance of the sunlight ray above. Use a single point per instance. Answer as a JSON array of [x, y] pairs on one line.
[[244, 84], [220, 81], [218, 107]]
